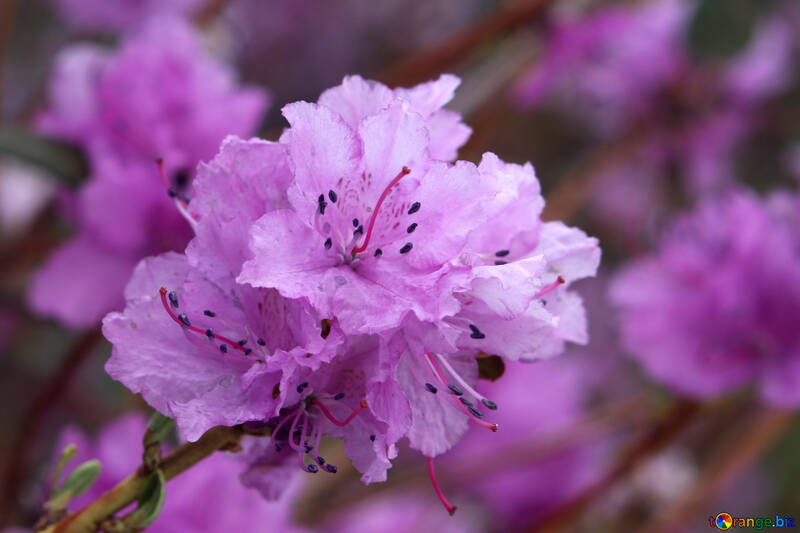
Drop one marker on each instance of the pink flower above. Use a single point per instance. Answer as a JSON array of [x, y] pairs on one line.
[[713, 308], [159, 95], [364, 276]]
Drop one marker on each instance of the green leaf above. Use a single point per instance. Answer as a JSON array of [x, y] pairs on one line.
[[62, 161], [67, 454], [78, 482], [158, 428], [721, 28], [151, 501]]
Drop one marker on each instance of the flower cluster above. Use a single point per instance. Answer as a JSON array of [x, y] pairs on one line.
[[628, 72], [715, 308], [344, 280], [159, 96]]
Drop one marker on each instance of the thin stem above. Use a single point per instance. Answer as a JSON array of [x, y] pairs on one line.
[[445, 54], [126, 492], [31, 421], [680, 415], [762, 433]]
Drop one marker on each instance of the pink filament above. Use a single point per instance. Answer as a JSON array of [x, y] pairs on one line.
[[487, 425], [405, 171], [559, 281], [160, 164], [174, 317], [450, 508], [362, 405]]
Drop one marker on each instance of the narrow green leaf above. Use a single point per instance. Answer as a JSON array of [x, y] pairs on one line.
[[151, 501], [60, 160], [67, 454], [720, 28], [78, 482], [158, 428]]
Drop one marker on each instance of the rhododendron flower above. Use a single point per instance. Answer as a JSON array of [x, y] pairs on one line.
[[627, 71], [159, 95], [715, 307], [196, 498], [343, 281]]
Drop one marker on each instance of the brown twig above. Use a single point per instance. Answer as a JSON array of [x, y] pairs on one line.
[[458, 46], [8, 13], [573, 191], [761, 434], [677, 418], [128, 490], [19, 456]]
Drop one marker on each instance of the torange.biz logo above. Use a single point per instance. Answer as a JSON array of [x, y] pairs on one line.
[[727, 521]]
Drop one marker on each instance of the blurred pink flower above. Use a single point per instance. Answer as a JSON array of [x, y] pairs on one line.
[[714, 308], [118, 15], [158, 95]]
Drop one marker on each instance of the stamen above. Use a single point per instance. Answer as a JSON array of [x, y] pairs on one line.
[[355, 222], [411, 228], [312, 468], [295, 447], [405, 171], [430, 388], [455, 390], [559, 281], [359, 230], [321, 204], [210, 333], [212, 314], [501, 263], [261, 342], [223, 348], [339, 396], [378, 252], [241, 342], [372, 438], [465, 401], [406, 248], [486, 401], [361, 406], [332, 196], [173, 299], [502, 253], [476, 333], [474, 411], [414, 208], [330, 468], [328, 243], [438, 371], [184, 322], [180, 202], [450, 508]]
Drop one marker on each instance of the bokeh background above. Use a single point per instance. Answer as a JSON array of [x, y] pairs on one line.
[[632, 112]]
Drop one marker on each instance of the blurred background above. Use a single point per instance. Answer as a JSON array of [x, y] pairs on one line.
[[632, 113]]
